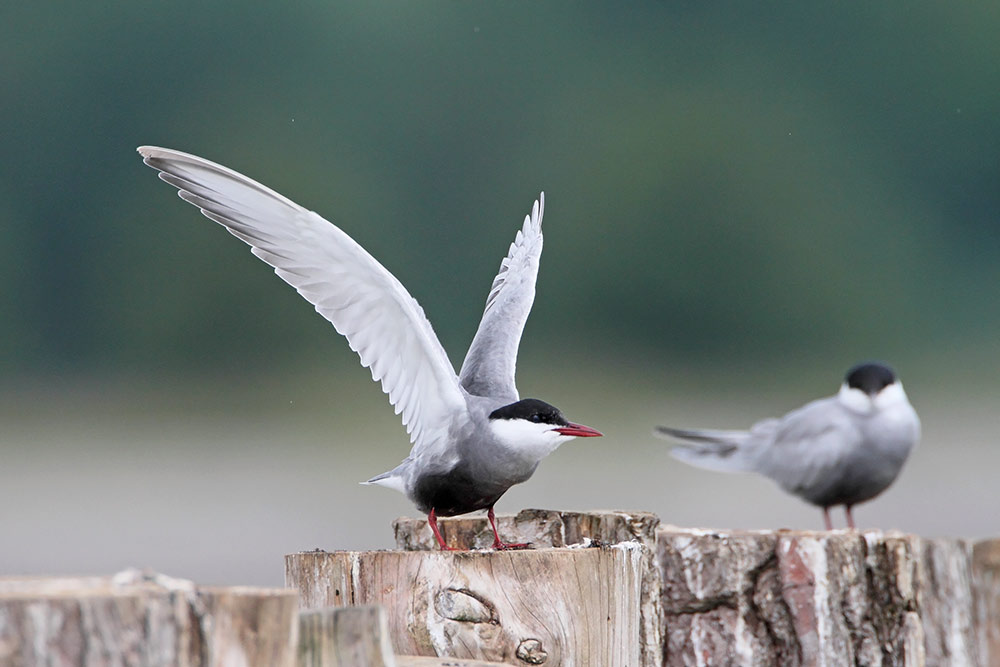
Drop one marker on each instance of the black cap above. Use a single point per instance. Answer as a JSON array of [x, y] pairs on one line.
[[533, 410], [870, 377]]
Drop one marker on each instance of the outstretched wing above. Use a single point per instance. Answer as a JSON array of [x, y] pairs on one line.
[[363, 301], [489, 365]]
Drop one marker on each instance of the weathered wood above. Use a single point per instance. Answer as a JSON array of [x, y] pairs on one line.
[[425, 661], [140, 619], [721, 597], [541, 528], [344, 637], [986, 588], [565, 606], [804, 598]]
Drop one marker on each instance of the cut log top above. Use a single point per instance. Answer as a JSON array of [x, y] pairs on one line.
[[541, 528]]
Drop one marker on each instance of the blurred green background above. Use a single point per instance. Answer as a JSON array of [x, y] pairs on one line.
[[742, 201]]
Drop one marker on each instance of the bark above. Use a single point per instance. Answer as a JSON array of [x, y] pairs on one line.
[[832, 598]]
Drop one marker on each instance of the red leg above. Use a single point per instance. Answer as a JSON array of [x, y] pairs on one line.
[[850, 517], [433, 521], [826, 518], [497, 542]]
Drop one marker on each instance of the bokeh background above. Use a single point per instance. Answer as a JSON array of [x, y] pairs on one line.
[[742, 202]]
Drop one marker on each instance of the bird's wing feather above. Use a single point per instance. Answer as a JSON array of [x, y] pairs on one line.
[[489, 365], [800, 450], [363, 301]]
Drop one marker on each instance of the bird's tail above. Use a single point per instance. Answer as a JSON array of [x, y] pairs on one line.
[[723, 451], [391, 480]]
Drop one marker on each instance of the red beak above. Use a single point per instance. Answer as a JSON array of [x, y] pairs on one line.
[[578, 430]]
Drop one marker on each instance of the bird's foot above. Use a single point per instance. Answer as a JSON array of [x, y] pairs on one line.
[[504, 546]]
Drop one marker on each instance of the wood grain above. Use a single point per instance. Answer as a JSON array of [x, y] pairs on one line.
[[549, 606]]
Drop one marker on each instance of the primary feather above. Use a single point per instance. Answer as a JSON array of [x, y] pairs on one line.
[[347, 286], [488, 369]]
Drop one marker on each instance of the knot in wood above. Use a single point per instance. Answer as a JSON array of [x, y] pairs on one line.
[[531, 652], [460, 604]]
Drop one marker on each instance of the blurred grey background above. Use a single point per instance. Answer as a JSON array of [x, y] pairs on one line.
[[742, 202]]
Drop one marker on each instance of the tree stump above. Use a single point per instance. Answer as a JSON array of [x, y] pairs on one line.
[[139, 619], [685, 596]]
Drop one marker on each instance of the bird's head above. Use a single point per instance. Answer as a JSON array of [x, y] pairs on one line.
[[871, 386], [535, 428]]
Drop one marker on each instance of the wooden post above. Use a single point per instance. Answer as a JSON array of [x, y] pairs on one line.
[[144, 619], [685, 596], [559, 606]]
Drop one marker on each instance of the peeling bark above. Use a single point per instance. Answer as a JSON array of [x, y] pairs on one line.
[[834, 598]]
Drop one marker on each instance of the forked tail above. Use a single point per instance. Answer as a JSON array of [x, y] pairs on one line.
[[723, 451]]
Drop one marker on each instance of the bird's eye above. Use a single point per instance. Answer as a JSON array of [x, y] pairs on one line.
[[537, 418]]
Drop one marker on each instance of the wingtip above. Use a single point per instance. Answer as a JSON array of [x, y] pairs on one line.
[[156, 152], [151, 153], [537, 212]]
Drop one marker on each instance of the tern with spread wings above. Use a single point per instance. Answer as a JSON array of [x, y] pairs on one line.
[[473, 436]]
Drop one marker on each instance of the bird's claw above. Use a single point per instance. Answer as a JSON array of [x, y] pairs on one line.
[[505, 546]]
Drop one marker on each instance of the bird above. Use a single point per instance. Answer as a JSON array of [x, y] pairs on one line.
[[472, 435], [840, 450]]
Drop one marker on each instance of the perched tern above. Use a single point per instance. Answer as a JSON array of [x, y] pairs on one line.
[[473, 436], [840, 450]]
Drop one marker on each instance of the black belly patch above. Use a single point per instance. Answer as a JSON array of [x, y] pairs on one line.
[[455, 492]]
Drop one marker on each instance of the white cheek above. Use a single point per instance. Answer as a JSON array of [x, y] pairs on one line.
[[891, 396], [854, 399], [527, 438]]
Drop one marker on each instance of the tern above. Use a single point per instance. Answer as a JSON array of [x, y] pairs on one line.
[[473, 436], [840, 450]]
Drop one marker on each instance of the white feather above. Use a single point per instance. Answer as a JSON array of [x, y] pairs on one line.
[[363, 301], [488, 369]]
